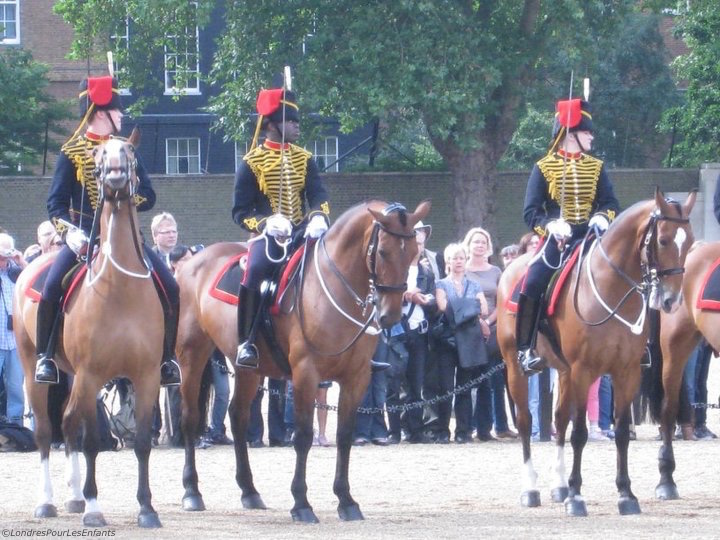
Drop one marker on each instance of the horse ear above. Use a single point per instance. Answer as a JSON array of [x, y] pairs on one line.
[[660, 201], [134, 138], [420, 213], [689, 202]]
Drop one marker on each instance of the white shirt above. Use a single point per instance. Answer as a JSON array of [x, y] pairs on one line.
[[417, 315]]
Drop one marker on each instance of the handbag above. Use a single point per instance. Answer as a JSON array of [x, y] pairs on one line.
[[441, 331], [463, 314]]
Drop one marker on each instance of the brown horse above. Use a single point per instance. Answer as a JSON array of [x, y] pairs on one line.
[[681, 332], [598, 327], [113, 327], [352, 277]]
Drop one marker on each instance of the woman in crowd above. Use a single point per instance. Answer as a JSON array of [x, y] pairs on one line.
[[490, 397], [451, 373]]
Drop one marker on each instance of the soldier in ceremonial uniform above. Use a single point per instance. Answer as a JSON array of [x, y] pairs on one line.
[[74, 198], [271, 187], [568, 192]]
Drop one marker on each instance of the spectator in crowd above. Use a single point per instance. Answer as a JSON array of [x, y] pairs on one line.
[[370, 426], [695, 377], [595, 433], [277, 429], [320, 438], [490, 396], [508, 254], [418, 298], [47, 240], [455, 285], [11, 264], [164, 231]]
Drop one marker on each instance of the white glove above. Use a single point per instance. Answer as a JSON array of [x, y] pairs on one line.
[[77, 241], [278, 226], [559, 228], [599, 221], [316, 227]]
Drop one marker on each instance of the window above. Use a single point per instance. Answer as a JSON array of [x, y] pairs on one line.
[[325, 152], [182, 63], [9, 23], [182, 156], [120, 42], [241, 148]]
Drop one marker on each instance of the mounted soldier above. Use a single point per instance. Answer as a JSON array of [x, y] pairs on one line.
[[72, 206], [568, 192]]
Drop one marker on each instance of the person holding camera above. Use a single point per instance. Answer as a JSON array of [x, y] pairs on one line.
[[11, 264]]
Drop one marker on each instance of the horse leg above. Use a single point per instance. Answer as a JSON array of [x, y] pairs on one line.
[[146, 394], [627, 503], [574, 503], [81, 413], [192, 368], [518, 386], [304, 390], [246, 384], [350, 397], [559, 490], [38, 396]]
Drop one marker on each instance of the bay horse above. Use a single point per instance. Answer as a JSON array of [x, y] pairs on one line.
[[681, 332], [598, 326], [353, 276], [113, 327]]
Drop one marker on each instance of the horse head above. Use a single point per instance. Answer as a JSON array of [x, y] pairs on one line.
[[391, 250], [665, 244], [115, 166]]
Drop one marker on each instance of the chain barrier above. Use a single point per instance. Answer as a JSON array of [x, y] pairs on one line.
[[705, 405], [401, 408]]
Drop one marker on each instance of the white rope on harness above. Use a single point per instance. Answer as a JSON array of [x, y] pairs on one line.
[[106, 249], [370, 329], [637, 327]]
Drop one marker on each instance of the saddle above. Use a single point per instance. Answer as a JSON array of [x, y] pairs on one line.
[[709, 297]]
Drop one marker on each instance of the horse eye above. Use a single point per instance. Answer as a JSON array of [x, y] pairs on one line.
[[382, 252], [663, 242]]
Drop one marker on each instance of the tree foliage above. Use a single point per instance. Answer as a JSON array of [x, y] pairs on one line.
[[27, 112], [696, 122]]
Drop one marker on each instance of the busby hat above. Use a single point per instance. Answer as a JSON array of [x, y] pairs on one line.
[[572, 115], [270, 104], [99, 93]]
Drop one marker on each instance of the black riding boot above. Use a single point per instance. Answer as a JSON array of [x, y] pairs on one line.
[[46, 370], [526, 327], [170, 374], [248, 310], [652, 347]]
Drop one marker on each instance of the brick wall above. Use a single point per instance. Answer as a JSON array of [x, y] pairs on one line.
[[202, 204]]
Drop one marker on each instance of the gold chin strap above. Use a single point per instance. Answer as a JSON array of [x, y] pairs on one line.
[[556, 142], [84, 121]]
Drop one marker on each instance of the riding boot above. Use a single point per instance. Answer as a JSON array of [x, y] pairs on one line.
[[170, 374], [526, 327], [376, 366], [248, 310], [46, 370], [652, 347]]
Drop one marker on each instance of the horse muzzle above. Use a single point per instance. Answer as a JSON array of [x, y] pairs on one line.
[[116, 179]]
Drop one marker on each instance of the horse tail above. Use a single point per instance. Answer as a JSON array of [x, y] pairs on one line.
[[652, 386]]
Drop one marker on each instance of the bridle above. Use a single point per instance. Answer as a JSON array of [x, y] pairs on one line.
[[373, 285], [649, 284]]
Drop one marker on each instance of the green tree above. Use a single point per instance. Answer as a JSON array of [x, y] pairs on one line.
[[696, 122], [27, 112]]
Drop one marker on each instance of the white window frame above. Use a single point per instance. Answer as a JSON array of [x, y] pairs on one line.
[[121, 41], [241, 148], [16, 39], [172, 152], [319, 149], [173, 56]]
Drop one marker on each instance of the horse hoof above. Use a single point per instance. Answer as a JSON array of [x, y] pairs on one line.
[[193, 503], [46, 511], [304, 515], [350, 513], [628, 506], [530, 499], [667, 492], [94, 519], [149, 520], [253, 502], [75, 507], [559, 494], [575, 507]]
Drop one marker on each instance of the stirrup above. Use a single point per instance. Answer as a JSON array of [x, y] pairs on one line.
[[170, 373], [247, 355], [646, 360], [530, 362], [46, 371]]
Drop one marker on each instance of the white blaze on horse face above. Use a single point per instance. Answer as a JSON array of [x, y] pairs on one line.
[[45, 492], [680, 237], [74, 477]]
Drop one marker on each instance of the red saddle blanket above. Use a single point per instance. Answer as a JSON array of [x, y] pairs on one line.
[[556, 284], [709, 297], [226, 284]]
